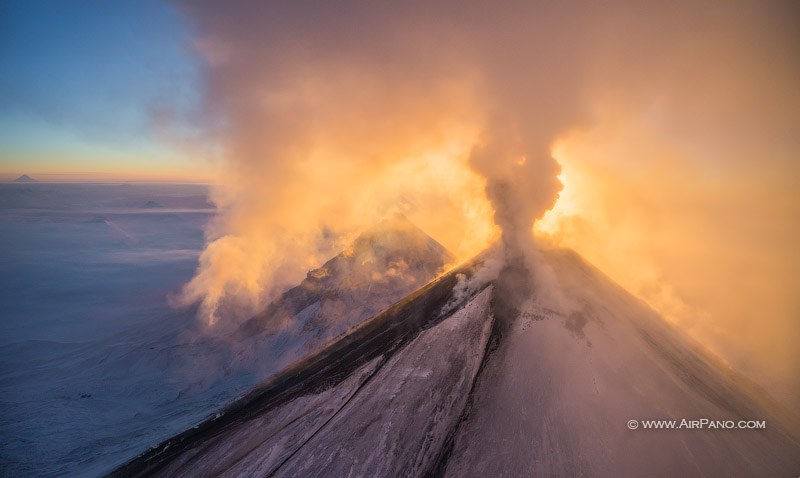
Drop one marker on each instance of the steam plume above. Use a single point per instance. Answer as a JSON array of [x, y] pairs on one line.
[[334, 116], [329, 115]]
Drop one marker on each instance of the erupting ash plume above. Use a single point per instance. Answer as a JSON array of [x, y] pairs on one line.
[[330, 115], [337, 115], [521, 184]]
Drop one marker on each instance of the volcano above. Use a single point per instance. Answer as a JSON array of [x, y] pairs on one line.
[[384, 264], [469, 377]]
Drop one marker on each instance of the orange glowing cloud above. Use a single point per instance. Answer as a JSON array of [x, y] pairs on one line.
[[674, 126]]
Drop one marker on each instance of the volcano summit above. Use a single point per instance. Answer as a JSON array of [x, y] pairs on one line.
[[457, 379]]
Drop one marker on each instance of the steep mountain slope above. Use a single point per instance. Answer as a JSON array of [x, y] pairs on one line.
[[556, 397], [383, 265], [466, 378], [174, 379], [394, 257], [120, 370]]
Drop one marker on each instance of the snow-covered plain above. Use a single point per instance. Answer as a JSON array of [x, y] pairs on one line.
[[85, 273], [95, 367]]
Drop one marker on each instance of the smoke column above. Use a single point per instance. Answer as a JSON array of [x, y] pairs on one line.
[[329, 115]]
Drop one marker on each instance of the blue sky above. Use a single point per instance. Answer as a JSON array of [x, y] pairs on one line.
[[80, 84]]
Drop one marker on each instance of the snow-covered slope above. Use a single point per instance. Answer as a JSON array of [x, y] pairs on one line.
[[543, 386], [383, 265], [556, 397], [387, 399], [95, 367]]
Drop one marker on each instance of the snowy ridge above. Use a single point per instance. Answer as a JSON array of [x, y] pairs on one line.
[[380, 336], [547, 391], [97, 368]]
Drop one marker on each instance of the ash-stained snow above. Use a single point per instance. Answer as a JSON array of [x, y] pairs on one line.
[[390, 417], [546, 392], [261, 445], [556, 396], [398, 423]]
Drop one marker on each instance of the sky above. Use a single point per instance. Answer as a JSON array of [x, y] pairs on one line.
[[85, 89], [661, 140]]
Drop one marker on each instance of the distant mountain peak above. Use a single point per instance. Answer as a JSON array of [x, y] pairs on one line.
[[396, 234], [383, 264], [24, 179]]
